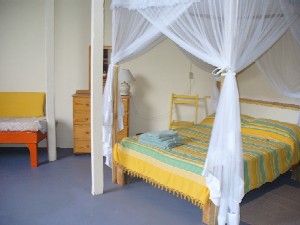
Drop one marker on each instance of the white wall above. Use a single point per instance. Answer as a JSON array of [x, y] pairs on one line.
[[107, 23], [158, 73], [253, 85], [22, 53], [22, 48], [72, 40]]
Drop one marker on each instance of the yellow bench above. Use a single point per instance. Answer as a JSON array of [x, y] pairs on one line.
[[23, 104]]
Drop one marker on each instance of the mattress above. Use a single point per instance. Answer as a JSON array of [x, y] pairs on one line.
[[270, 148], [23, 124]]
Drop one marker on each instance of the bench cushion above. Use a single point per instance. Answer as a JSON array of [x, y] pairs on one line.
[[23, 124], [22, 104]]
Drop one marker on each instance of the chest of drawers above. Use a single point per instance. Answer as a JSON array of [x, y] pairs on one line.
[[82, 122]]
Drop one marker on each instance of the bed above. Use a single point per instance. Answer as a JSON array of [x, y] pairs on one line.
[[23, 121], [270, 148]]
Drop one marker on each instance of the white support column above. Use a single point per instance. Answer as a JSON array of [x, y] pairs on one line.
[[50, 85], [96, 95]]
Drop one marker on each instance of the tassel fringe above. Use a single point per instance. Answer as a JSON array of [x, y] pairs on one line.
[[161, 186]]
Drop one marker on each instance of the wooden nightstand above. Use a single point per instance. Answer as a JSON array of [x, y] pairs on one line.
[[82, 122]]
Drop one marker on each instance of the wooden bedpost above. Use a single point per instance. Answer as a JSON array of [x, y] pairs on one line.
[[220, 83], [210, 214], [118, 176], [115, 119], [296, 172]]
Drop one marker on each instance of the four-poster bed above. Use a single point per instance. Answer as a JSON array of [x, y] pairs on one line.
[[270, 148], [229, 35]]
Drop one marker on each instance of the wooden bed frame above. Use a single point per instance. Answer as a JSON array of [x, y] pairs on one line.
[[209, 211], [31, 139]]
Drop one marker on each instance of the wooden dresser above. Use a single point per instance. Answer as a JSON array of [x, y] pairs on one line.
[[82, 122]]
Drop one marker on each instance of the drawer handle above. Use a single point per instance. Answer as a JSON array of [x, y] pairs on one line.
[[87, 119], [87, 132], [87, 104]]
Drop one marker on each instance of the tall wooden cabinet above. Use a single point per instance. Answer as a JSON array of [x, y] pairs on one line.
[[82, 122]]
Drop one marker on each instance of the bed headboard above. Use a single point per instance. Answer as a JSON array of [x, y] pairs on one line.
[[264, 109], [271, 110], [22, 104]]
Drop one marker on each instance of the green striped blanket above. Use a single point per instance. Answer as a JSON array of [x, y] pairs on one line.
[[270, 148]]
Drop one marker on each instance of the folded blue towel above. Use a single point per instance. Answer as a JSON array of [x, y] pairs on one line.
[[146, 137], [166, 142], [160, 134]]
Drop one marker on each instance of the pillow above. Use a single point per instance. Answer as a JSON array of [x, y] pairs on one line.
[[210, 119], [246, 119]]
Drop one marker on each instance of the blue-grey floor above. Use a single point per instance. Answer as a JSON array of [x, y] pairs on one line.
[[59, 193]]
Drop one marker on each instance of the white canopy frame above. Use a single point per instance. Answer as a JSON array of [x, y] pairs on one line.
[[229, 35]]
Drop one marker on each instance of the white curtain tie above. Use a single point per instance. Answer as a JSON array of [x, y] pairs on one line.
[[229, 72], [218, 72]]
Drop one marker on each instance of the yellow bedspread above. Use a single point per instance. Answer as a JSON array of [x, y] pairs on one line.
[[270, 148]]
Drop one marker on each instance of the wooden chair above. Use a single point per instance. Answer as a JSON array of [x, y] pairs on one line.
[[191, 100]]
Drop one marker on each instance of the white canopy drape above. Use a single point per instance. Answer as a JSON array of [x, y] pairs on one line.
[[126, 45], [228, 34], [280, 64]]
